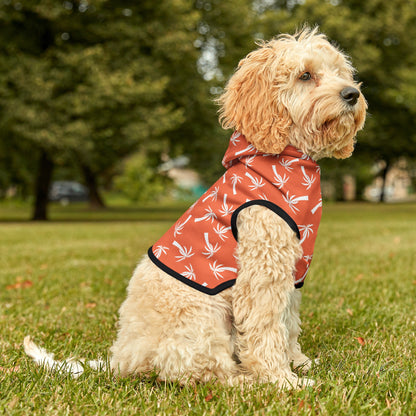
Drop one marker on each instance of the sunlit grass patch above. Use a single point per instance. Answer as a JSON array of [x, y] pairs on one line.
[[63, 282]]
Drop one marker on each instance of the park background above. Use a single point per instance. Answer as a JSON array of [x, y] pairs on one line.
[[119, 96]]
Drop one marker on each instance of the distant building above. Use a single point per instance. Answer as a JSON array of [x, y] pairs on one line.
[[398, 185], [185, 179]]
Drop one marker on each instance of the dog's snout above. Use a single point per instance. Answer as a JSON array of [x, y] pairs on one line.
[[350, 95]]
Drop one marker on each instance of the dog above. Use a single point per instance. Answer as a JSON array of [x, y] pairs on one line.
[[217, 297]]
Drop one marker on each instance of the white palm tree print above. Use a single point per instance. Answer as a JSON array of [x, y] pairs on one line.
[[184, 252], [304, 275], [224, 179], [159, 250], [209, 216], [235, 179], [248, 161], [249, 148], [293, 200], [287, 163], [280, 181], [234, 138], [213, 194], [218, 269], [210, 249], [221, 231], [306, 231], [225, 209], [256, 183], [189, 273], [318, 205], [308, 180], [179, 226], [192, 206]]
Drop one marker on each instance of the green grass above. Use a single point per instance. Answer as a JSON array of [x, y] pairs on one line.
[[62, 282]]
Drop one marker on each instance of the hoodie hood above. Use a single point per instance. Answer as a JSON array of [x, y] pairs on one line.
[[240, 150]]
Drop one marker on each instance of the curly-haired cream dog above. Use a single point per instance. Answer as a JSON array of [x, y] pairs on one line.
[[217, 297], [293, 91]]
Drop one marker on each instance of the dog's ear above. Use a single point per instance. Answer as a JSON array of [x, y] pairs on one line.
[[251, 104]]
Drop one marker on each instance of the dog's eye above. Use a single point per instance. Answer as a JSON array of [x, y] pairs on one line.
[[306, 76]]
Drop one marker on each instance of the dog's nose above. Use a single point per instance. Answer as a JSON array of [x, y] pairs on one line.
[[350, 95]]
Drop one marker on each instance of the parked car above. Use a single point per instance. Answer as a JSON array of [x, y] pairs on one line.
[[68, 191]]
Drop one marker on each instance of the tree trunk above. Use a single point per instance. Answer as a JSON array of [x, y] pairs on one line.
[[42, 185], [384, 183], [90, 178]]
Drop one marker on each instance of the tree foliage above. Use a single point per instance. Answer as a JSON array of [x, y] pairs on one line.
[[140, 181], [84, 84], [379, 35], [88, 83]]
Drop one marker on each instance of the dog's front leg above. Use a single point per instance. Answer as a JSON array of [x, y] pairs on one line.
[[299, 360], [267, 251]]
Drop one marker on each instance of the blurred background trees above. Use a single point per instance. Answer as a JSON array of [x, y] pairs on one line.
[[380, 37], [89, 90]]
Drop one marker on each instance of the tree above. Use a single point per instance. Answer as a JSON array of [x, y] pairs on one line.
[[90, 83], [223, 35], [80, 83]]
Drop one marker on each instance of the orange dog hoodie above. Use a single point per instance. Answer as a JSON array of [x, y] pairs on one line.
[[200, 248]]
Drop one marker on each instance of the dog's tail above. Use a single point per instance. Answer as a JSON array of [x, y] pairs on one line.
[[71, 366]]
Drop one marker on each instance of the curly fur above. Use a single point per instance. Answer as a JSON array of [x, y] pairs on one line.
[[265, 101], [248, 332]]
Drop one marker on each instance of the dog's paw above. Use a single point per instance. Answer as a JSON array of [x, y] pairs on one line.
[[297, 383], [304, 364], [306, 382]]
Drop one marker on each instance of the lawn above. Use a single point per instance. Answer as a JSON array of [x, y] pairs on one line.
[[63, 281]]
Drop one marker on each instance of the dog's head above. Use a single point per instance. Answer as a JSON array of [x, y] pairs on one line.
[[296, 90]]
